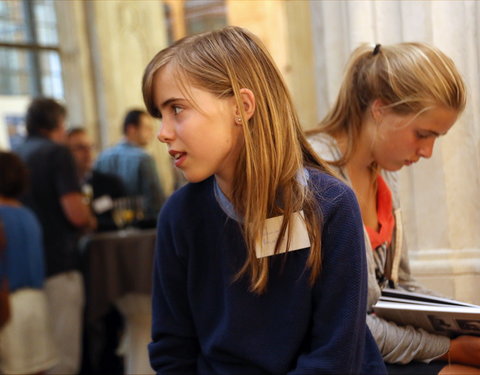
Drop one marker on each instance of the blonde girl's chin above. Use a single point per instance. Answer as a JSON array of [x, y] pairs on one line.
[[391, 167], [394, 169], [191, 177]]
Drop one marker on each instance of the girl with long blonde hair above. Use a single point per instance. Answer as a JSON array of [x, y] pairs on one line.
[[260, 264], [393, 103]]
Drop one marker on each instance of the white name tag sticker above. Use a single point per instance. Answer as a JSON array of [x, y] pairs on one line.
[[102, 204], [299, 236]]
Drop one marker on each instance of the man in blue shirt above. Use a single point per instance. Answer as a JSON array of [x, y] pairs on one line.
[[134, 165]]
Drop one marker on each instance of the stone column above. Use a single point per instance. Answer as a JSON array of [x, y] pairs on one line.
[[285, 29], [107, 45], [447, 187], [78, 79]]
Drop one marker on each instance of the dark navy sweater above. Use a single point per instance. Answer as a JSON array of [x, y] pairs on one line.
[[204, 323]]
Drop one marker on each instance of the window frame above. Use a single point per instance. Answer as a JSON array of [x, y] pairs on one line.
[[34, 47]]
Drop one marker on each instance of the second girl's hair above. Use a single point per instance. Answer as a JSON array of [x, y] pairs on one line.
[[266, 177], [408, 77]]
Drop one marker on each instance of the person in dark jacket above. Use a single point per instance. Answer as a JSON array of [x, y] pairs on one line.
[[56, 198]]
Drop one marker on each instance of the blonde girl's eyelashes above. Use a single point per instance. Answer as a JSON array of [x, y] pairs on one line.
[[177, 109], [170, 107], [423, 135]]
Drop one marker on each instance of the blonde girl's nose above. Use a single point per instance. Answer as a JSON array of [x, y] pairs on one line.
[[166, 133], [426, 149]]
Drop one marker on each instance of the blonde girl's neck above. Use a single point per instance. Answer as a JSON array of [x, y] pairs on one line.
[[225, 186], [362, 172], [364, 184]]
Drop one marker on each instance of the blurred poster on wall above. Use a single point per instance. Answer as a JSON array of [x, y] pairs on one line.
[[12, 120]]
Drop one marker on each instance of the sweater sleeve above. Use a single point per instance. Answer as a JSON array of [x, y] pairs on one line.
[[403, 344], [174, 347], [338, 331]]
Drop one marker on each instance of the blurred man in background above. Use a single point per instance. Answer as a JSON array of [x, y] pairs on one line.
[[56, 198], [100, 189], [134, 165]]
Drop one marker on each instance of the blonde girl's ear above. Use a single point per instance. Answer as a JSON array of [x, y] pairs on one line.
[[377, 109], [248, 101]]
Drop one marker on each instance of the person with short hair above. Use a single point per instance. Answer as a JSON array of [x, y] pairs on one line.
[[134, 165], [101, 189], [26, 341], [394, 102], [56, 198]]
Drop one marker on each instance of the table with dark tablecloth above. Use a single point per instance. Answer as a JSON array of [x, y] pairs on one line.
[[115, 264]]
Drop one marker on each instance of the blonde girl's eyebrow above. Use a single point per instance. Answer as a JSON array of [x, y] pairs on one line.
[[169, 101]]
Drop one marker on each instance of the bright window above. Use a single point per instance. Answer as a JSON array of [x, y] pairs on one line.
[[29, 52]]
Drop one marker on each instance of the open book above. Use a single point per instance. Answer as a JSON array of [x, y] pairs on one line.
[[434, 314]]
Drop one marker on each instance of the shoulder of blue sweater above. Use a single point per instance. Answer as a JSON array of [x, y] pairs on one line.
[[326, 183], [331, 192], [189, 198]]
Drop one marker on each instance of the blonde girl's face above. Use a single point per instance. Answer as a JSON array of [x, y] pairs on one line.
[[199, 130], [402, 140]]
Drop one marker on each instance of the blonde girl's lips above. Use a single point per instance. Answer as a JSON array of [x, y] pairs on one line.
[[410, 162], [179, 158]]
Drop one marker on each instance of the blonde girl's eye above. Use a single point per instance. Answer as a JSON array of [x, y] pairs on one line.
[[422, 135], [176, 109]]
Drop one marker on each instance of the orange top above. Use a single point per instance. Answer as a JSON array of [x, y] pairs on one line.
[[386, 220]]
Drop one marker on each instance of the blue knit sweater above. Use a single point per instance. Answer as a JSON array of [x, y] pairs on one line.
[[204, 323]]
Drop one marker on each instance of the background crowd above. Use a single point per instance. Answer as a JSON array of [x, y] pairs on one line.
[[52, 194]]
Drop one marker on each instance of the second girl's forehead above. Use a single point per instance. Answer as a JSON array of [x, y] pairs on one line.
[[436, 121]]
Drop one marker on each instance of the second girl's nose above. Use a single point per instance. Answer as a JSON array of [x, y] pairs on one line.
[[426, 149]]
